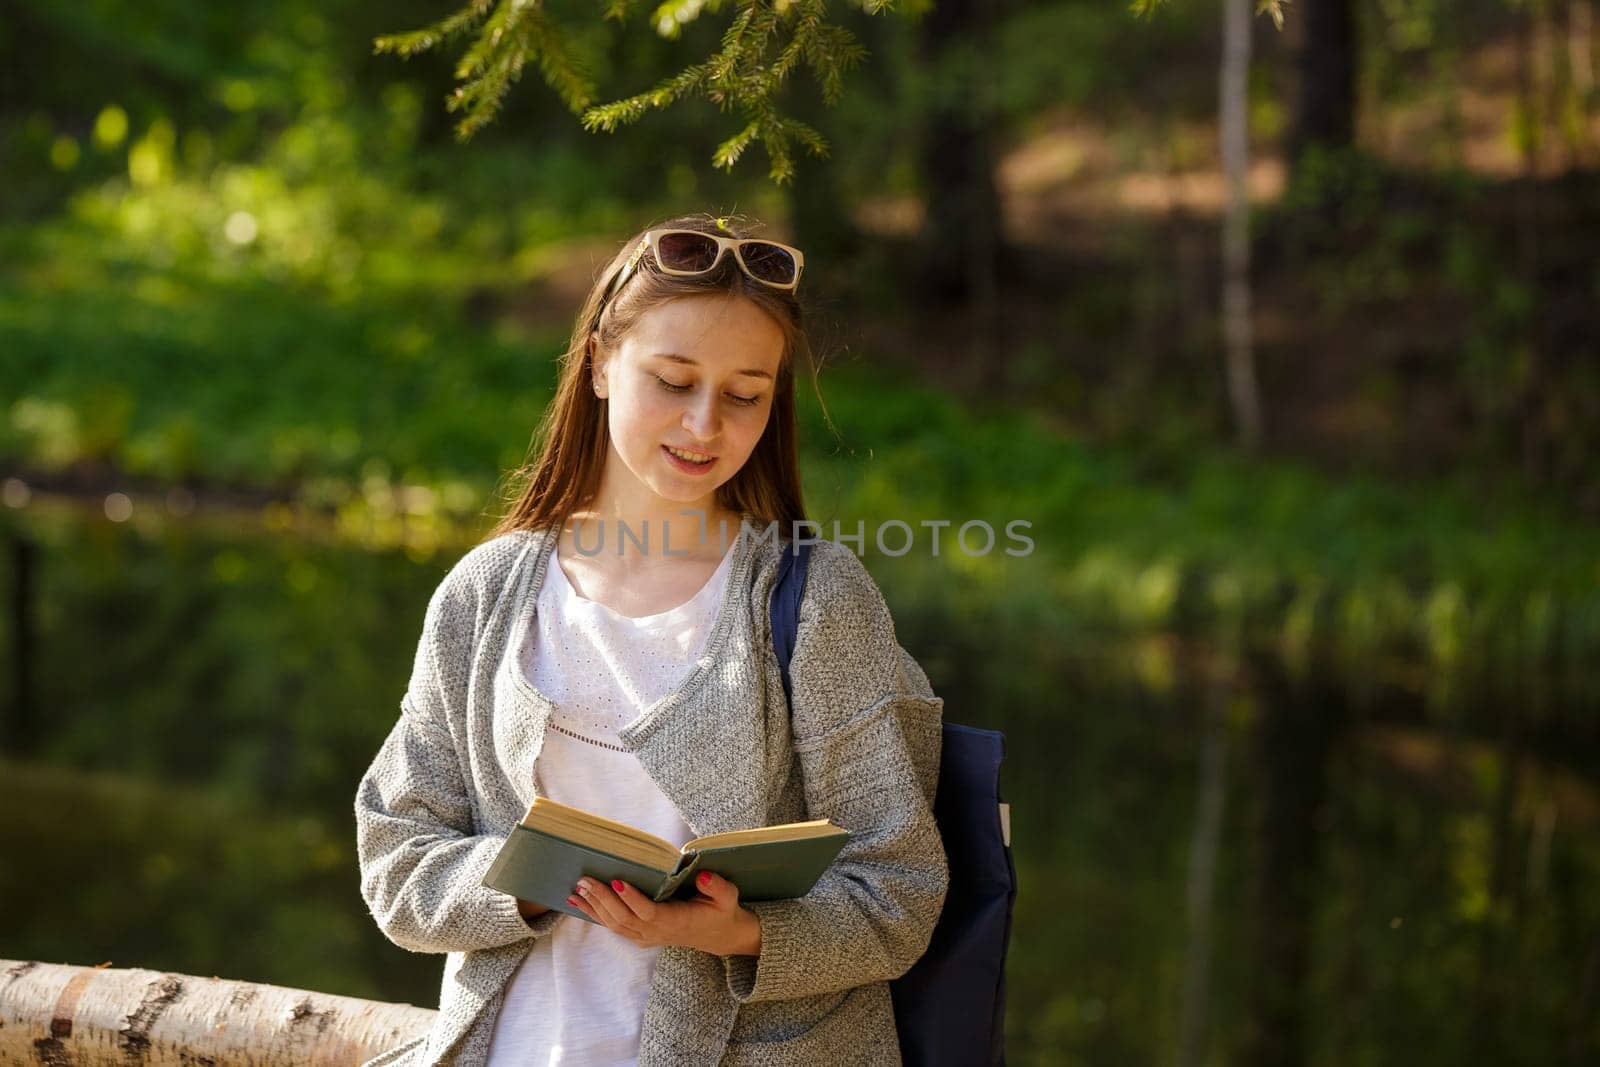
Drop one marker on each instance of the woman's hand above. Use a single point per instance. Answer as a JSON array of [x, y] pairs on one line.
[[712, 922]]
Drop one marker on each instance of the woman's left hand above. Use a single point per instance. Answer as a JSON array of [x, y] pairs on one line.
[[712, 922]]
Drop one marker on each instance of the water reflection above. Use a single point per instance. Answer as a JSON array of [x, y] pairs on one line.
[[1223, 858]]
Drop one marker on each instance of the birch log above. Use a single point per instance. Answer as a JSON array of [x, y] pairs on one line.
[[57, 1015]]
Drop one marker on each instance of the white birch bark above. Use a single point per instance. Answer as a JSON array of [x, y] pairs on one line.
[[54, 1014]]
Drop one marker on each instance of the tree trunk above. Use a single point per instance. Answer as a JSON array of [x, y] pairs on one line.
[[55, 1014], [1579, 1036], [962, 236], [1300, 725], [1580, 62], [1493, 1006], [1324, 111], [1531, 390], [1204, 844], [1243, 395], [22, 731], [818, 217]]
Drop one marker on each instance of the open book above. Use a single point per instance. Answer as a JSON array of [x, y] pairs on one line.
[[556, 844]]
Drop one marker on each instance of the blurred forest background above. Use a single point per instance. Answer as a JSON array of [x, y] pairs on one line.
[[1305, 736]]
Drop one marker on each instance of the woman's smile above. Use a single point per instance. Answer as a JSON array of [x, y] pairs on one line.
[[687, 461]]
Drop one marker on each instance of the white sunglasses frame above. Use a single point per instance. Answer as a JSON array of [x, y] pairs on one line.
[[650, 242]]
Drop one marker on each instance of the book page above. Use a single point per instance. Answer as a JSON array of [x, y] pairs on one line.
[[790, 831], [598, 832]]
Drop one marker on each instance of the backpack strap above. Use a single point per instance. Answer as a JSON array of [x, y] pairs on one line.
[[785, 607]]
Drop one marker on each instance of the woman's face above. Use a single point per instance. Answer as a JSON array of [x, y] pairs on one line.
[[696, 374]]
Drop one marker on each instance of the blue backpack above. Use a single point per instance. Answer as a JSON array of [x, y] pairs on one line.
[[949, 1008]]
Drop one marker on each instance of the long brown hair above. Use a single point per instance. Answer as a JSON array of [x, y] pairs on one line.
[[569, 447]]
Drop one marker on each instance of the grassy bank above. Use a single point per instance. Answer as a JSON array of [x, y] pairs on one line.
[[361, 386]]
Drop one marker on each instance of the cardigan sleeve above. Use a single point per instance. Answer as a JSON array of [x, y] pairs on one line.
[[421, 864], [867, 735]]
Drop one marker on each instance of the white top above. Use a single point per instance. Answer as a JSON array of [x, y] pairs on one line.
[[579, 996]]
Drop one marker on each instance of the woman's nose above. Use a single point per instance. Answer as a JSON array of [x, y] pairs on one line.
[[701, 419]]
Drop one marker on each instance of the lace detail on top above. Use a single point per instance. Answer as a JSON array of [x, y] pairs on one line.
[[586, 740], [601, 668]]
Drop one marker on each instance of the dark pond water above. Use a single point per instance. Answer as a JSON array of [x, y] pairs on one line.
[[1224, 858]]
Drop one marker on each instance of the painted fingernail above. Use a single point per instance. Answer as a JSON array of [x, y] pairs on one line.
[[573, 901], [705, 878], [583, 887], [616, 883]]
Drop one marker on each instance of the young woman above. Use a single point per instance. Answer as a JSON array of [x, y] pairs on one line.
[[609, 646]]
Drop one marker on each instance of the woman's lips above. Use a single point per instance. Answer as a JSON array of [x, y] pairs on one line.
[[685, 466]]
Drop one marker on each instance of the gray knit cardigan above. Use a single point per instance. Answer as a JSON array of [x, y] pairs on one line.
[[455, 774]]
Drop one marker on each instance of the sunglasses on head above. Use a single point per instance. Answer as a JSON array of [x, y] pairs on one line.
[[689, 252]]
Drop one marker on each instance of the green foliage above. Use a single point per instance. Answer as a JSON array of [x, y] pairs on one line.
[[204, 881], [509, 33], [240, 324], [764, 43], [1135, 540]]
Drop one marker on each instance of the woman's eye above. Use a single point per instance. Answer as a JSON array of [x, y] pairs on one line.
[[672, 387]]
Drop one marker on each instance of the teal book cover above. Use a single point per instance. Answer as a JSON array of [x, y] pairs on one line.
[[542, 863]]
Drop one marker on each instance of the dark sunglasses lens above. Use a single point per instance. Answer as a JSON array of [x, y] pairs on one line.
[[687, 251], [769, 262]]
